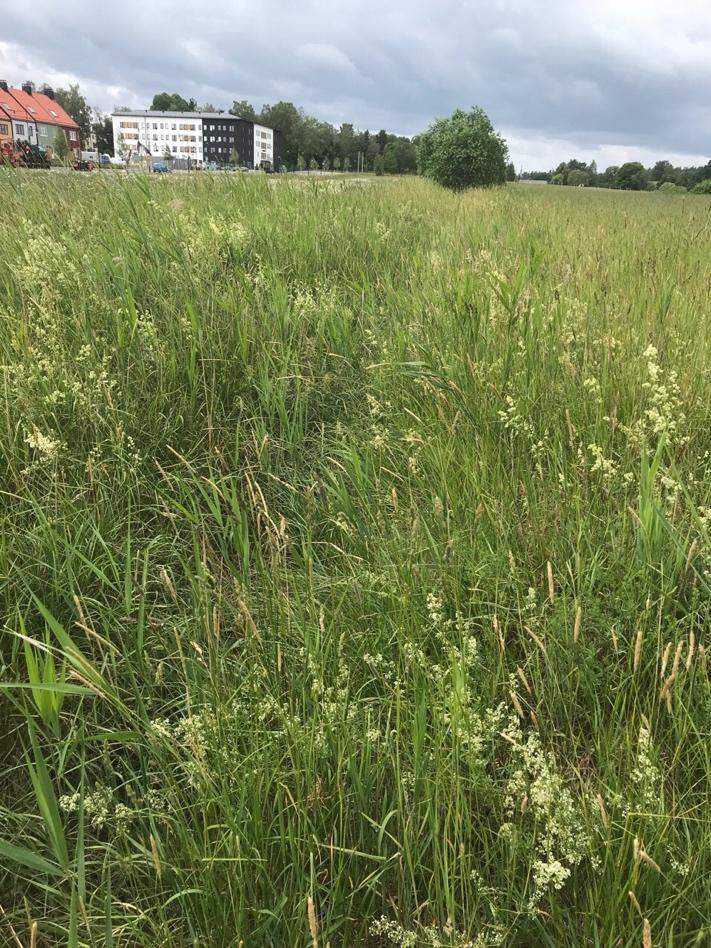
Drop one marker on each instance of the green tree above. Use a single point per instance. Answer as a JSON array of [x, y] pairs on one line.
[[558, 178], [301, 163], [372, 152], [390, 162], [243, 109], [293, 125], [703, 187], [326, 164], [75, 105], [347, 163], [668, 187], [510, 171], [60, 146], [103, 130], [663, 172], [382, 140], [337, 163], [632, 177], [608, 178], [578, 177], [346, 142], [406, 155], [313, 165], [172, 102], [463, 151], [379, 165]]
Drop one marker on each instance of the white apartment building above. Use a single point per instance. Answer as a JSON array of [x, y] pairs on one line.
[[263, 145], [207, 138], [142, 133]]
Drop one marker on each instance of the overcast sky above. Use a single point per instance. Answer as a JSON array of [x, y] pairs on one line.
[[613, 80]]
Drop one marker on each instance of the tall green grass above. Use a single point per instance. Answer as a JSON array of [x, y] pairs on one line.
[[354, 564]]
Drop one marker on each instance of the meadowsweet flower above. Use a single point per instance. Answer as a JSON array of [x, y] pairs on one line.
[[605, 467], [48, 448], [645, 778]]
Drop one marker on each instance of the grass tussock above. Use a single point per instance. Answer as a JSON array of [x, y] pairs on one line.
[[354, 564]]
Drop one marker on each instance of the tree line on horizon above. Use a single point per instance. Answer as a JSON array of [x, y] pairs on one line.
[[630, 176], [310, 143]]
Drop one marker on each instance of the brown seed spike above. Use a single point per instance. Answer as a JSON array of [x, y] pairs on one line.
[[637, 651], [665, 659], [551, 587], [517, 704], [647, 935], [633, 900], [578, 620], [155, 855], [313, 924], [603, 811]]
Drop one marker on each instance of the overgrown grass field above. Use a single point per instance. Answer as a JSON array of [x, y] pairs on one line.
[[354, 564]]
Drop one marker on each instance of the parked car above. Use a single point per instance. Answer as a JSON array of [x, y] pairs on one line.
[[105, 159], [160, 167]]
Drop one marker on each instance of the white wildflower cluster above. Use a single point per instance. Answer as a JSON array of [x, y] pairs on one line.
[[593, 388], [471, 725], [342, 522], [380, 435], [605, 468], [102, 810], [211, 238], [430, 936], [531, 601], [147, 332], [679, 868], [315, 300], [670, 490], [571, 329], [664, 414], [376, 345], [48, 448], [514, 421], [336, 708], [195, 735], [394, 933], [48, 269], [99, 806], [48, 370], [645, 779], [382, 230], [485, 265], [537, 789]]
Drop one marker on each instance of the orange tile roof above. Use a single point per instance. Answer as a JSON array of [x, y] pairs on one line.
[[37, 107]]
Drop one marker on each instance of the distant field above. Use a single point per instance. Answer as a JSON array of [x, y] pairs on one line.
[[355, 564]]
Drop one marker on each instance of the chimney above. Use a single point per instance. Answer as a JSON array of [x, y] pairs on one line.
[[3, 85], [27, 87], [49, 92]]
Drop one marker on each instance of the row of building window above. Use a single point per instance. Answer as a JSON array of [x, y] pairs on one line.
[[43, 131]]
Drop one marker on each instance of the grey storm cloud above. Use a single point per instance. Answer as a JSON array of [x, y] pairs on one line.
[[614, 76]]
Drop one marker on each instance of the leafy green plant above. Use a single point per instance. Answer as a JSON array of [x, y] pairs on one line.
[[463, 151]]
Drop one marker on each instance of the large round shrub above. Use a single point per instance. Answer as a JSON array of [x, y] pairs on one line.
[[577, 176], [703, 187], [463, 151], [668, 187]]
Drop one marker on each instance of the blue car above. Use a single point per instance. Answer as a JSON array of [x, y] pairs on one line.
[[160, 167]]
